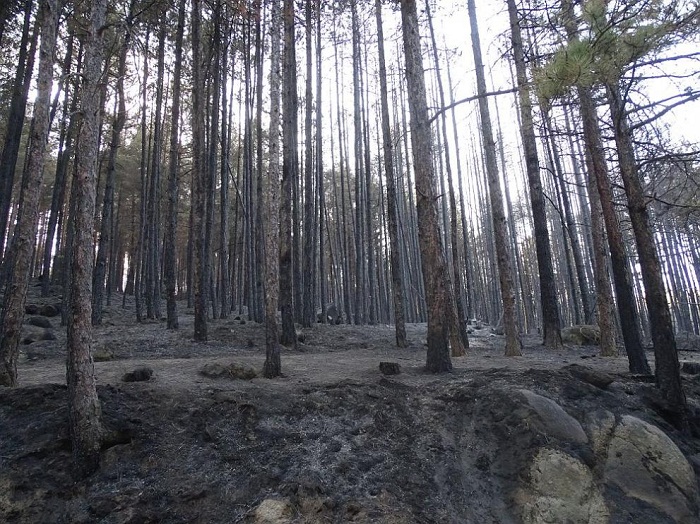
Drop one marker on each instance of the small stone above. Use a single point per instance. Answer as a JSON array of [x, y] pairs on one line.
[[389, 368], [39, 321], [212, 370], [49, 310], [596, 378], [141, 374], [102, 355], [273, 511], [48, 335], [31, 309], [692, 368]]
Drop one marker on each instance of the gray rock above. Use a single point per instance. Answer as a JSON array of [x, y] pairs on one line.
[[645, 464], [560, 489], [49, 310], [553, 419], [389, 368], [273, 511], [141, 374], [596, 378], [38, 321], [581, 335]]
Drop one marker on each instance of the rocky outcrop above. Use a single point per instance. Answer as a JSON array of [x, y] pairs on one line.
[[619, 466], [581, 335]]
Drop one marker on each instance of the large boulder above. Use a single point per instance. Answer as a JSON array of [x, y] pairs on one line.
[[581, 335], [645, 464], [561, 488], [551, 419]]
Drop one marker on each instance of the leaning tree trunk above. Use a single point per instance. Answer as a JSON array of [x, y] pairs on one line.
[[83, 404], [28, 217], [396, 269], [668, 376], [435, 275], [551, 323], [273, 366], [598, 172], [169, 253], [513, 344], [15, 122]]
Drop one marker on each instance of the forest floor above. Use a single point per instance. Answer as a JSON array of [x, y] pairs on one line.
[[333, 440]]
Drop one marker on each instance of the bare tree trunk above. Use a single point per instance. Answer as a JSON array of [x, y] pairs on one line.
[[500, 228], [289, 109], [551, 323], [668, 375], [309, 258], [83, 404], [15, 122], [273, 366], [65, 149], [200, 180], [98, 279], [169, 254], [28, 217], [396, 269], [432, 255]]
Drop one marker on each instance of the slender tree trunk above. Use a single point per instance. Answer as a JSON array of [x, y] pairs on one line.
[[15, 121], [169, 254], [319, 171], [396, 268], [65, 149], [309, 259], [200, 179], [668, 376], [273, 366], [154, 247], [598, 171], [28, 217], [500, 228], [98, 279], [432, 255], [83, 404], [551, 323], [289, 109]]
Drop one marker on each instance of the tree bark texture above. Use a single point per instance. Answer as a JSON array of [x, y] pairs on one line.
[[500, 228], [551, 323], [83, 404], [431, 251], [28, 217]]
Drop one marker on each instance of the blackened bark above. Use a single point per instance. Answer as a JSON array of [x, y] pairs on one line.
[[668, 375], [551, 323], [273, 366], [396, 269], [500, 228], [200, 179], [169, 254], [431, 251], [28, 215], [83, 404], [289, 165], [103, 248], [15, 120]]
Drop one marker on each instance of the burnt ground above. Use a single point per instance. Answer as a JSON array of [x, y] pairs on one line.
[[333, 438]]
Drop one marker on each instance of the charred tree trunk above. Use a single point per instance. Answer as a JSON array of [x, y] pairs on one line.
[[169, 254], [432, 255], [22, 245], [83, 404]]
